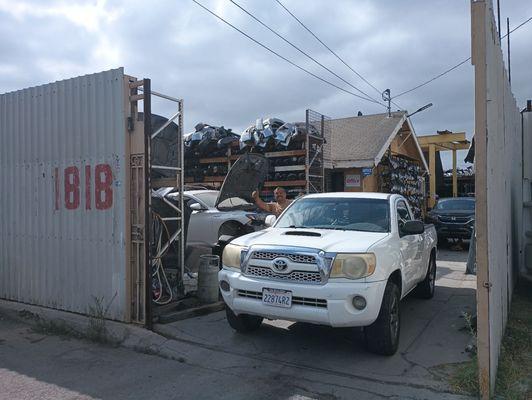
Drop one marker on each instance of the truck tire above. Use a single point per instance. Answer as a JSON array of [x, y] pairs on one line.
[[382, 336], [425, 288], [242, 323]]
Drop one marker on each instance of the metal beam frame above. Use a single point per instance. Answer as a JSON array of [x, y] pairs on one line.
[[144, 86]]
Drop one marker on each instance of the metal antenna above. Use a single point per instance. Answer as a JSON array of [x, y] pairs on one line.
[[386, 96]]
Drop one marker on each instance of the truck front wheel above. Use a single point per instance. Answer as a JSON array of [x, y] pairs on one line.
[[242, 323], [382, 336]]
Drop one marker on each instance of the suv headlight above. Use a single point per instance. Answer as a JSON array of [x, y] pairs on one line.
[[232, 256], [353, 266]]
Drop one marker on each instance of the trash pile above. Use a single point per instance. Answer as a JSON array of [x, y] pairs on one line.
[[270, 134], [273, 134], [209, 141], [266, 135]]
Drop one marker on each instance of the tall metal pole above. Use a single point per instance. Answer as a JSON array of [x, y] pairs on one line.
[[147, 202], [508, 39], [499, 18]]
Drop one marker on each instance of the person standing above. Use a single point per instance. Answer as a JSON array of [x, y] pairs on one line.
[[276, 207]]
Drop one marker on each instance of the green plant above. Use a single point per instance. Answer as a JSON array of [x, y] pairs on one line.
[[97, 329], [53, 327], [464, 379]]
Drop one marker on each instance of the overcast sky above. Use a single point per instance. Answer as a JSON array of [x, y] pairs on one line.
[[225, 79]]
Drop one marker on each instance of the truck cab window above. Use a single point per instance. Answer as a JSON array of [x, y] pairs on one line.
[[403, 214]]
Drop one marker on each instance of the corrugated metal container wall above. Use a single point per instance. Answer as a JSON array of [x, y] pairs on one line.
[[62, 194]]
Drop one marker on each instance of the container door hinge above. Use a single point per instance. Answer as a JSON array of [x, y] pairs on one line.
[[487, 285]]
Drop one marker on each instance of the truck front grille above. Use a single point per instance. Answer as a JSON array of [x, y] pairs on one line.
[[301, 301], [294, 276], [272, 255]]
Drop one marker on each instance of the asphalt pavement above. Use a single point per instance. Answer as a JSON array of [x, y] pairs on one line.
[[205, 359]]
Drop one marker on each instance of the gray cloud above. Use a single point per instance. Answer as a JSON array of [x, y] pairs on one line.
[[226, 79]]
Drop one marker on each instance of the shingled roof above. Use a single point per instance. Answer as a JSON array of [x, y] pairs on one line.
[[361, 141]]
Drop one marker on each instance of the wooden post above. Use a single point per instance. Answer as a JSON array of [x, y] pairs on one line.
[[455, 178], [479, 33], [432, 172]]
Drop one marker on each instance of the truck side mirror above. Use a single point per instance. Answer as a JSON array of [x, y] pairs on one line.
[[412, 228], [270, 220]]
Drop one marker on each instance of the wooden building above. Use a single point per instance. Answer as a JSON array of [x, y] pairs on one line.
[[374, 153]]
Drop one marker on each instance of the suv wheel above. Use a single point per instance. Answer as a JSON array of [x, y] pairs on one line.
[[425, 288], [242, 323], [382, 336]]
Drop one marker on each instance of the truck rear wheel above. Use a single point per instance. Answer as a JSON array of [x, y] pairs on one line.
[[382, 336], [425, 288], [242, 323]]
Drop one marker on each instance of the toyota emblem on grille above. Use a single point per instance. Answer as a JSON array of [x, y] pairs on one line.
[[280, 265]]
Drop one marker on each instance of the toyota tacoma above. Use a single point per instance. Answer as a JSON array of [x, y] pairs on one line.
[[336, 259]]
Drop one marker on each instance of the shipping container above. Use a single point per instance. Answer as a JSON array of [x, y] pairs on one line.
[[74, 157]]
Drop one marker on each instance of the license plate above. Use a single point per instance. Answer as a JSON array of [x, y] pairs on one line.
[[277, 298]]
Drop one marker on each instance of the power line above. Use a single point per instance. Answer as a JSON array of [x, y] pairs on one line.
[[278, 55], [457, 65], [327, 47], [433, 79], [301, 51]]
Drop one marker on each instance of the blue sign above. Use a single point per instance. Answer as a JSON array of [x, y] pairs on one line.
[[367, 171]]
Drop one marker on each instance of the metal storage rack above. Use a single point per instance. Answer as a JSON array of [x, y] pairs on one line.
[[312, 168]]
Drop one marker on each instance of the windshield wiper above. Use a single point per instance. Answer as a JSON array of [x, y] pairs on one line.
[[298, 227]]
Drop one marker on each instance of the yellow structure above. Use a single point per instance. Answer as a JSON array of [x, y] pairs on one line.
[[443, 141]]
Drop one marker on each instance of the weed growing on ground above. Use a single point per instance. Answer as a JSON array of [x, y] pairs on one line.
[[514, 373], [464, 378], [54, 327], [514, 376], [97, 329]]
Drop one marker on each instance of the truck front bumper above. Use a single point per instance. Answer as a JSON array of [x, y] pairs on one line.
[[329, 304]]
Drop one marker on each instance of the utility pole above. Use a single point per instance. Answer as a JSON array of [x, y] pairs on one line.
[[508, 38], [499, 19], [386, 96]]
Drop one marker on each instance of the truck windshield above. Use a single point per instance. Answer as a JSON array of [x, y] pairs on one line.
[[352, 214]]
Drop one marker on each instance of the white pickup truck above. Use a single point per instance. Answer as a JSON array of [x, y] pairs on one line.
[[337, 259]]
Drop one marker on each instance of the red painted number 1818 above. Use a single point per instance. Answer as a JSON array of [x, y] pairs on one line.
[[72, 187]]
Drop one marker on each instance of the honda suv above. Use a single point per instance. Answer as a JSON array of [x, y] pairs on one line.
[[453, 218]]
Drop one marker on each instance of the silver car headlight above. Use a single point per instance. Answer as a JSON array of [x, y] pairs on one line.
[[353, 265], [232, 256]]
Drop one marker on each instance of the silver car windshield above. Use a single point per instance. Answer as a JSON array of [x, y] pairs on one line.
[[367, 215], [209, 198]]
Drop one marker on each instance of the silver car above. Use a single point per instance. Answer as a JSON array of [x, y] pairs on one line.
[[208, 222]]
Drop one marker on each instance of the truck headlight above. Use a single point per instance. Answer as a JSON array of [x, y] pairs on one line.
[[232, 256], [353, 266]]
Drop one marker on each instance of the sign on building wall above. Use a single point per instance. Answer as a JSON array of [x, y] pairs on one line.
[[367, 171], [352, 180]]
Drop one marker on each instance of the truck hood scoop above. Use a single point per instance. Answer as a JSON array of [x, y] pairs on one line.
[[303, 233]]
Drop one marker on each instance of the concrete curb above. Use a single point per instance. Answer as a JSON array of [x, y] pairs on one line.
[[120, 334]]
